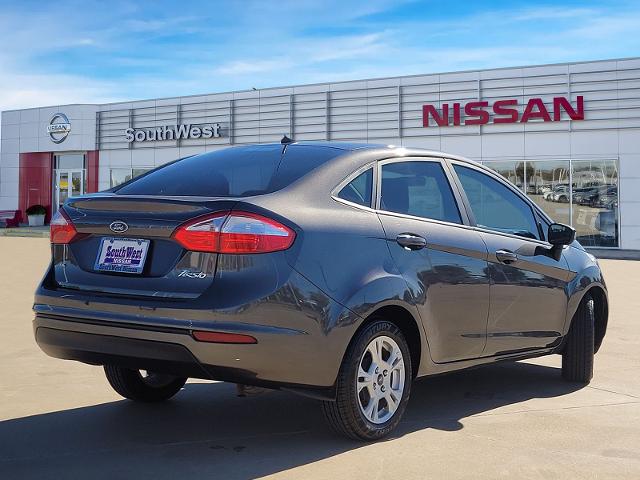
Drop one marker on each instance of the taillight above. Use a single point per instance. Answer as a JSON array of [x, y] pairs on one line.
[[244, 232], [235, 233], [201, 235], [62, 228]]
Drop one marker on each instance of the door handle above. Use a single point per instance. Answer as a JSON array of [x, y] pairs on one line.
[[506, 256], [411, 241]]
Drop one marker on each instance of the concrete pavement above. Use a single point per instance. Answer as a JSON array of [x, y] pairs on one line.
[[61, 420]]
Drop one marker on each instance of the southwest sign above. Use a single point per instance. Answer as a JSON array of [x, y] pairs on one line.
[[173, 132], [504, 111]]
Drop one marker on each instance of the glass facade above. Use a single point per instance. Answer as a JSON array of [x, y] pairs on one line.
[[580, 193], [595, 202], [548, 186], [69, 161], [120, 175], [69, 178]]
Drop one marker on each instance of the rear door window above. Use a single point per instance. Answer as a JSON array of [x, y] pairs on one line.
[[359, 189], [420, 189]]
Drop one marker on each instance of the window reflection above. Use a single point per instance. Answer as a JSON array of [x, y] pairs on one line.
[[593, 194], [119, 176], [595, 202], [548, 187], [122, 175], [512, 171]]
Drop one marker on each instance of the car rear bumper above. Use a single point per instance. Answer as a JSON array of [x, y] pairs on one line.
[[173, 350], [99, 349]]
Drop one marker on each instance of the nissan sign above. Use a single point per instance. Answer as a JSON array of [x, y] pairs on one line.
[[173, 132], [59, 128], [504, 111]]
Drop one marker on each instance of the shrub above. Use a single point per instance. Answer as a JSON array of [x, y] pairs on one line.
[[36, 210]]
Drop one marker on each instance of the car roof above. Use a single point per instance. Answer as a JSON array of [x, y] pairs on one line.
[[359, 154], [397, 150]]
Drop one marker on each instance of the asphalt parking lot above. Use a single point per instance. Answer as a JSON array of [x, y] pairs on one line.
[[61, 420]]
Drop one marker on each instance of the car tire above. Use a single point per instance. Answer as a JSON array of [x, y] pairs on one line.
[[579, 349], [349, 414], [152, 387]]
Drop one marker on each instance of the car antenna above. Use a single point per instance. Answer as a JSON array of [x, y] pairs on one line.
[[286, 141]]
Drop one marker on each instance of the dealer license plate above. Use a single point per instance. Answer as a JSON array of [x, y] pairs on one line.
[[124, 255]]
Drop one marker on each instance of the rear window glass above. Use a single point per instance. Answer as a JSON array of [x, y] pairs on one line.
[[359, 189], [233, 172]]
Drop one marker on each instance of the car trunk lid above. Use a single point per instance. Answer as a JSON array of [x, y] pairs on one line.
[[145, 224]]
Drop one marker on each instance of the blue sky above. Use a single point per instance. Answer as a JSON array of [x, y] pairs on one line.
[[80, 51]]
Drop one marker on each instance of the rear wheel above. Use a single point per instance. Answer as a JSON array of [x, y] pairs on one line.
[[373, 384], [143, 386], [577, 357]]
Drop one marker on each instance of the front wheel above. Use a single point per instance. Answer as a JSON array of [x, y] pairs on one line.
[[579, 349], [143, 386], [373, 384]]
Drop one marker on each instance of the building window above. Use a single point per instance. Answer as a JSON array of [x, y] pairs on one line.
[[69, 161], [595, 202], [548, 187], [69, 177], [122, 175], [580, 193]]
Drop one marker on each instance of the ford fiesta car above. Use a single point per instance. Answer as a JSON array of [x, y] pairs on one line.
[[337, 271]]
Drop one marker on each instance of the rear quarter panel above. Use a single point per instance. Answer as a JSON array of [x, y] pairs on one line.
[[342, 250], [347, 257]]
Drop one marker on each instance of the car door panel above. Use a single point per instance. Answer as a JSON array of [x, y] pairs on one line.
[[443, 261], [528, 295], [528, 298], [449, 282]]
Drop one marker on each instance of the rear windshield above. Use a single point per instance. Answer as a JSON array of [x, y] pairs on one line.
[[233, 172]]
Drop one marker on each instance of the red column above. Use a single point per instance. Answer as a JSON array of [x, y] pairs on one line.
[[92, 171], [35, 182]]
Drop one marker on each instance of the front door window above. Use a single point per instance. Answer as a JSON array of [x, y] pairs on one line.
[[495, 206]]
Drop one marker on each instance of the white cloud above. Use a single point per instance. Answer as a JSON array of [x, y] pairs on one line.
[[119, 50], [243, 67], [29, 90], [552, 13]]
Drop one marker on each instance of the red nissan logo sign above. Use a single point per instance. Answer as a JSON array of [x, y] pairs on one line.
[[504, 111]]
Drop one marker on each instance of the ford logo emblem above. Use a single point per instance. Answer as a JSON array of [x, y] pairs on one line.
[[119, 227]]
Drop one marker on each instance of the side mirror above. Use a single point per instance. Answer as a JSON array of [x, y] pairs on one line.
[[560, 234]]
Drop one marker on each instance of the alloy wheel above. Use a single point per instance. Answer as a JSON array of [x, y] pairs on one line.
[[380, 380]]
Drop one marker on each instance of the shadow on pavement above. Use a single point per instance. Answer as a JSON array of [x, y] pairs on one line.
[[207, 430]]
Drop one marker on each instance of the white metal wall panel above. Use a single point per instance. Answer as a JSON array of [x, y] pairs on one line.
[[387, 110]]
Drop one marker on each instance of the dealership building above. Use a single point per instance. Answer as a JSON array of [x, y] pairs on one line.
[[566, 134]]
